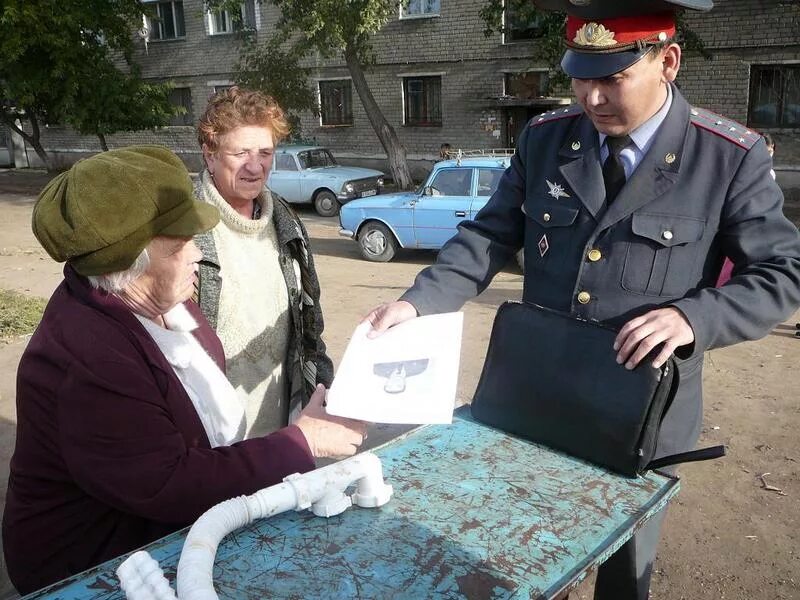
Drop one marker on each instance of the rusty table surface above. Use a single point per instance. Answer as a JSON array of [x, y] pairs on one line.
[[476, 513]]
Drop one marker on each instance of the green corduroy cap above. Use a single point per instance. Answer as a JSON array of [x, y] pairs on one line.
[[104, 211]]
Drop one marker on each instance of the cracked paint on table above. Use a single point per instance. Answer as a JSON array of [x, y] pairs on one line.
[[476, 513]]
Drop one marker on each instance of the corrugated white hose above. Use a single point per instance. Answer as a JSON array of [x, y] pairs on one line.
[[322, 490]]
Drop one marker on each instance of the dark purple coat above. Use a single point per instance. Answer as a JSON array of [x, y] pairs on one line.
[[110, 453]]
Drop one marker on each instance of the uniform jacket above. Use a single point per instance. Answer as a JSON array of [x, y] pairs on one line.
[[308, 362], [110, 453], [703, 191]]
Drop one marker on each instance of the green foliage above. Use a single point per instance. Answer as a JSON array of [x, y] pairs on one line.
[[57, 64], [19, 314], [273, 68]]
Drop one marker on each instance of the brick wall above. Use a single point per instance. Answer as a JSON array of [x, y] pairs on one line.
[[741, 33], [452, 44]]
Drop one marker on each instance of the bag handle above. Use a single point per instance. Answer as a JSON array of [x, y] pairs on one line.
[[684, 457]]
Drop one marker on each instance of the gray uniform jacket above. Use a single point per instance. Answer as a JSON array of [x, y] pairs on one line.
[[703, 191], [307, 361]]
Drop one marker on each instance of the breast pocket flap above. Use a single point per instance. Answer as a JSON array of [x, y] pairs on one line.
[[668, 230], [552, 216]]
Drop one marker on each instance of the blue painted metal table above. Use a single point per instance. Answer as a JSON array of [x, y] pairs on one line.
[[476, 513]]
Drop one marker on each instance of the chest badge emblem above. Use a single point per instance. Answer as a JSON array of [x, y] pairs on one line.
[[543, 245], [556, 190]]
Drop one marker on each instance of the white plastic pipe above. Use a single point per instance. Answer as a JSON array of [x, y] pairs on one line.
[[322, 490]]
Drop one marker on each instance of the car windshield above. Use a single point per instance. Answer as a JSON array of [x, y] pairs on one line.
[[316, 158]]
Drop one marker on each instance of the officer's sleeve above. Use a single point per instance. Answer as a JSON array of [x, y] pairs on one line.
[[468, 262], [765, 247]]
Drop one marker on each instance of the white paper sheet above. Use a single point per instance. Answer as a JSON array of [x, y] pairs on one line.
[[407, 375]]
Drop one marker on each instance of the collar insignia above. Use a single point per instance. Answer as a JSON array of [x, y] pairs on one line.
[[594, 35], [556, 190]]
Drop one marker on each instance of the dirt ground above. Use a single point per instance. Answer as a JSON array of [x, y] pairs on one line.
[[725, 535]]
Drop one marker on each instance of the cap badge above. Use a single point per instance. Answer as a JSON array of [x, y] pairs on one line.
[[556, 190], [596, 35]]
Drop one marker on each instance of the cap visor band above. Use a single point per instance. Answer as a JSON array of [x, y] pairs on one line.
[[582, 65]]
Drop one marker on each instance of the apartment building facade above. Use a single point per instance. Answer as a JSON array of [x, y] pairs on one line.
[[439, 79]]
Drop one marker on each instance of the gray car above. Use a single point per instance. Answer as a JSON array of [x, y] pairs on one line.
[[310, 174]]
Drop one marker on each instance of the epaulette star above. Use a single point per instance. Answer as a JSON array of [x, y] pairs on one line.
[[732, 131], [554, 115]]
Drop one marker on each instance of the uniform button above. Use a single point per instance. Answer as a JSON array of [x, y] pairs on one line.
[[546, 217], [667, 235], [594, 255], [584, 297]]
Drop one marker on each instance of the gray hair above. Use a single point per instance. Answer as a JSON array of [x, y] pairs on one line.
[[114, 283]]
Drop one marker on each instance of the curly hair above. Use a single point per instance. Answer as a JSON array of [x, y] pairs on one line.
[[236, 107]]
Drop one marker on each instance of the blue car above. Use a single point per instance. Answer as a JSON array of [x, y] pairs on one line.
[[310, 174], [455, 190]]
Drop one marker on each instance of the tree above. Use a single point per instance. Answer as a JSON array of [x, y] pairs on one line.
[[343, 28], [274, 69], [58, 65]]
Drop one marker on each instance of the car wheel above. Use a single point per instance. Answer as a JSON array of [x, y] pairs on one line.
[[376, 242], [326, 204]]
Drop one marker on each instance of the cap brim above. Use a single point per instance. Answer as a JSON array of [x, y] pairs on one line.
[[199, 218], [584, 65]]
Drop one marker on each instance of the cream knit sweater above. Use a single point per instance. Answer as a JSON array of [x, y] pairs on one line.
[[253, 320]]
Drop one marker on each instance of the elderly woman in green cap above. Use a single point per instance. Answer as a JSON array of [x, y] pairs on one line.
[[127, 426]]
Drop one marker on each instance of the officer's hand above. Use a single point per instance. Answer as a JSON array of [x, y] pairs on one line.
[[639, 336], [329, 436], [389, 314]]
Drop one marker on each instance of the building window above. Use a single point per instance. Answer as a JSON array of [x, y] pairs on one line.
[[528, 85], [167, 24], [420, 8], [423, 101], [336, 102], [521, 24], [182, 97], [222, 87], [774, 96], [223, 21]]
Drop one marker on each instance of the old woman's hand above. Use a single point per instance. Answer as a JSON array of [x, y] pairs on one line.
[[329, 436]]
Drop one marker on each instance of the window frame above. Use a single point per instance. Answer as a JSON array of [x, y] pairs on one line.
[[507, 32], [430, 119], [404, 15], [346, 119], [188, 117], [782, 99], [230, 24], [155, 25]]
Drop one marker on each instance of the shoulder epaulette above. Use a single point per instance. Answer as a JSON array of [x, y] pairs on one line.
[[725, 128], [559, 113]]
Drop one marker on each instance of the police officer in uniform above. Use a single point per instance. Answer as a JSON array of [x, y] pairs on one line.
[[625, 205]]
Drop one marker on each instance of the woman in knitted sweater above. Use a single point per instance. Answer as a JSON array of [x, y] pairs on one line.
[[258, 287]]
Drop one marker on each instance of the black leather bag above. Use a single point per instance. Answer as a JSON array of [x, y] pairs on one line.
[[553, 378]]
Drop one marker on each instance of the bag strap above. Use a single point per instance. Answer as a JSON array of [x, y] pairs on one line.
[[684, 457]]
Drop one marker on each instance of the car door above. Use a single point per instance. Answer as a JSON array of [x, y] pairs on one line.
[[284, 178], [487, 182], [444, 205]]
